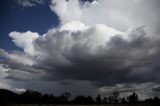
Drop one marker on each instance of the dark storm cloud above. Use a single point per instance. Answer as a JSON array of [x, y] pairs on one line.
[[120, 60], [65, 55], [20, 72], [156, 89]]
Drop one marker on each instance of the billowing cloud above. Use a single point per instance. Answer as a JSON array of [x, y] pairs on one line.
[[24, 40], [119, 14], [97, 46], [98, 54]]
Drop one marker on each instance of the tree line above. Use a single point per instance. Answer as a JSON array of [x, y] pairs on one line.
[[35, 97]]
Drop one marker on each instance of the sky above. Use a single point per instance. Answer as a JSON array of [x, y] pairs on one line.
[[86, 47]]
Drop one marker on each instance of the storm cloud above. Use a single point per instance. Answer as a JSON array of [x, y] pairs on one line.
[[93, 52]]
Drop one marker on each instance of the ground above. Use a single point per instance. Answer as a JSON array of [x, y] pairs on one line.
[[79, 105]]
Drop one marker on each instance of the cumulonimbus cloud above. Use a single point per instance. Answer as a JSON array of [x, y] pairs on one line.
[[100, 54], [82, 49]]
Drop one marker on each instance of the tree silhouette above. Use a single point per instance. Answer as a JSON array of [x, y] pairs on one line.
[[35, 97], [156, 100], [67, 95], [31, 96], [133, 98], [105, 100], [83, 100], [98, 99], [48, 99], [79, 100], [89, 100], [124, 101], [116, 97], [63, 99]]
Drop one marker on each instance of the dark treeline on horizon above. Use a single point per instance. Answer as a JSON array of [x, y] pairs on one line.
[[35, 97]]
